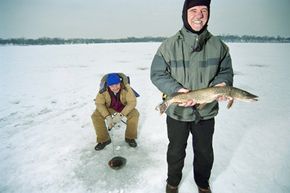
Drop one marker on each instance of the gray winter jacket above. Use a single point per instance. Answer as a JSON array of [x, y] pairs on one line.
[[188, 60]]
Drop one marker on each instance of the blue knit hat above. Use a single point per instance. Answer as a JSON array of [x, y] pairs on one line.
[[113, 78]]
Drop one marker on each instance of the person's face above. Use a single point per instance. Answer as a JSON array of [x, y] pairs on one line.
[[197, 17], [115, 88]]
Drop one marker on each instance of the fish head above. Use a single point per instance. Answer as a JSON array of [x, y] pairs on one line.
[[245, 96]]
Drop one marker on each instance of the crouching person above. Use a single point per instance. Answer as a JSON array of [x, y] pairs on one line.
[[115, 102]]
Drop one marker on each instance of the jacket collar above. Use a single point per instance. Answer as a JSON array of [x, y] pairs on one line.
[[193, 40]]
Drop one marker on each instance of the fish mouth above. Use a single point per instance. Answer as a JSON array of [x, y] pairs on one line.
[[250, 99], [255, 99]]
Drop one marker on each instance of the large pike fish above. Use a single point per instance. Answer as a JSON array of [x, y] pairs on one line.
[[208, 95]]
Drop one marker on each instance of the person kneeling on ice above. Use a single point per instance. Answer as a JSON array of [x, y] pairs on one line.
[[115, 103]]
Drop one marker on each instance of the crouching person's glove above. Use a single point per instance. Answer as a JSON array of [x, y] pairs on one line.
[[117, 118], [110, 122]]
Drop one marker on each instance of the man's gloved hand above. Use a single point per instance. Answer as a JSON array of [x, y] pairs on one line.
[[117, 118], [110, 122]]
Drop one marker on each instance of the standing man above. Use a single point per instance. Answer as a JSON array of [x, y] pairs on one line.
[[191, 59], [115, 102]]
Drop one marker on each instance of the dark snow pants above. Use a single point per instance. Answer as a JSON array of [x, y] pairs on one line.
[[202, 133]]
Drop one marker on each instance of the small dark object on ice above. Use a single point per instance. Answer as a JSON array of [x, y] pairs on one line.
[[117, 162]]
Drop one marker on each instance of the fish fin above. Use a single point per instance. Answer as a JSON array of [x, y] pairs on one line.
[[162, 107], [230, 103]]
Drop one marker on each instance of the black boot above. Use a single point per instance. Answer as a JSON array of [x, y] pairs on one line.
[[204, 190], [101, 146], [171, 189], [131, 142]]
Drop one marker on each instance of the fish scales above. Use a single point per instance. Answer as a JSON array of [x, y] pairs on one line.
[[201, 95]]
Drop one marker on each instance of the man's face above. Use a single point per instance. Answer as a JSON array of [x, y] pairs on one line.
[[197, 17], [115, 88]]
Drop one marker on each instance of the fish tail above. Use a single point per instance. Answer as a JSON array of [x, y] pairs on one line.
[[162, 107]]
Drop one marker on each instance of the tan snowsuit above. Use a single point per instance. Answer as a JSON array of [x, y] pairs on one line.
[[103, 101]]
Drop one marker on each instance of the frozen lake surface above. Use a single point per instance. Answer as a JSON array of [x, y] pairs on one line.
[[47, 138]]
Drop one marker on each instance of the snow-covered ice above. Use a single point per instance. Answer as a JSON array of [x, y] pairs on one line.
[[47, 138]]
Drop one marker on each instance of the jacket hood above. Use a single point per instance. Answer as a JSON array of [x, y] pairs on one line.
[[191, 3]]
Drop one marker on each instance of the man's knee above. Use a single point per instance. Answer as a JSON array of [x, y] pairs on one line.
[[96, 115], [133, 114]]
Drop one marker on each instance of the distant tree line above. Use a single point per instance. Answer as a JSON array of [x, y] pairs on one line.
[[58, 41], [257, 39]]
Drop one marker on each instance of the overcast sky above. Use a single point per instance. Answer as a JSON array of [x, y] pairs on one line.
[[127, 18]]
